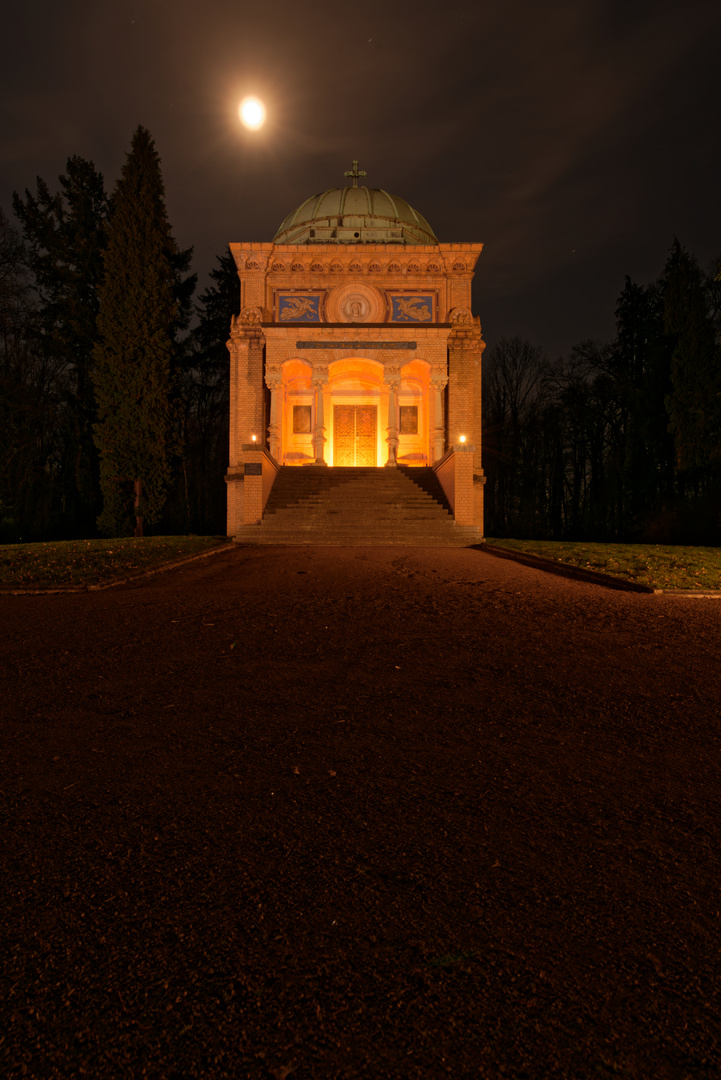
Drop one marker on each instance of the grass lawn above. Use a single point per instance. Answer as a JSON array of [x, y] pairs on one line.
[[660, 565], [92, 562]]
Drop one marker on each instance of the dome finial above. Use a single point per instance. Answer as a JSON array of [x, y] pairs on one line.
[[355, 172]]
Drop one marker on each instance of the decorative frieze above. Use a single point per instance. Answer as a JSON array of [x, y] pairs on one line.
[[354, 345]]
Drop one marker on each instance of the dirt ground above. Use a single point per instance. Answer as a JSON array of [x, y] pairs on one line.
[[360, 813]]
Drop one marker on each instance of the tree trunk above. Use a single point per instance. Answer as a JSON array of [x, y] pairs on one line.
[[137, 486]]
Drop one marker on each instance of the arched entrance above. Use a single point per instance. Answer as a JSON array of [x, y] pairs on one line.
[[357, 413], [298, 415], [414, 418], [353, 412]]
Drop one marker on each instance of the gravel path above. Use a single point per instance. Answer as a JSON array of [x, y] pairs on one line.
[[360, 813]]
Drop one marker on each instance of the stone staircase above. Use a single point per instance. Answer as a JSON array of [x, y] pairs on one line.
[[358, 507]]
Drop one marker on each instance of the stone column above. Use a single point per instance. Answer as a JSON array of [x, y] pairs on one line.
[[246, 404], [439, 432], [234, 443], [246, 373], [479, 478], [463, 348], [274, 382], [318, 381], [392, 380]]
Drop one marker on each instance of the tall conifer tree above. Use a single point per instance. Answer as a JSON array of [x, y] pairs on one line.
[[135, 432], [22, 403], [65, 237]]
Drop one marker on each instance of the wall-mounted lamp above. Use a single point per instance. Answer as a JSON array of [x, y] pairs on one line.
[[253, 437], [463, 439]]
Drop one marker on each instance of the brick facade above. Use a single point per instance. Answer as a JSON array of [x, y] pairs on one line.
[[325, 325]]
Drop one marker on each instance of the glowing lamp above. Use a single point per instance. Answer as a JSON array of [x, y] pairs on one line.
[[463, 439], [253, 437]]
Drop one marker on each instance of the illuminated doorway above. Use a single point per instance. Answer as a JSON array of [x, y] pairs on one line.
[[354, 435]]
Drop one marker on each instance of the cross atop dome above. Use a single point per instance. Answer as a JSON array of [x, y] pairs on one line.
[[355, 173]]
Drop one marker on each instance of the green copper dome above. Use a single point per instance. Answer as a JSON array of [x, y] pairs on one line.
[[355, 215]]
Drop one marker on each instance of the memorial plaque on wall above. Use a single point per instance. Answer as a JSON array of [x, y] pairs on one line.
[[409, 420], [301, 419]]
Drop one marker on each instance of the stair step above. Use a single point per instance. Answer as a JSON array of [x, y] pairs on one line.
[[357, 507]]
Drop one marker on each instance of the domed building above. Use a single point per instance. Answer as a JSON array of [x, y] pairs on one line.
[[355, 215], [355, 346]]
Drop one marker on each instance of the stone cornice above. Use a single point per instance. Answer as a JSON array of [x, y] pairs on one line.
[[333, 343], [343, 332], [355, 327], [445, 260]]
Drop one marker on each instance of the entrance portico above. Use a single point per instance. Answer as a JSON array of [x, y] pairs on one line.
[[305, 395]]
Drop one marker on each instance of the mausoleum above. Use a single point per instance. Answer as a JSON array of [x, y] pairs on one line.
[[355, 346]]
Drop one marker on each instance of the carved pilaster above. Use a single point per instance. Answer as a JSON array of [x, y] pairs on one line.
[[438, 382], [392, 379], [274, 382], [246, 378], [233, 444], [319, 380], [464, 346]]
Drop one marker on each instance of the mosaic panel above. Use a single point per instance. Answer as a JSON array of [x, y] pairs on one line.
[[299, 307], [412, 307]]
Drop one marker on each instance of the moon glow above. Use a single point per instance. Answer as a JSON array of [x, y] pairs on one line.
[[252, 112]]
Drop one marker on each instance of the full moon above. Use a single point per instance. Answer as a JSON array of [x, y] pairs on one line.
[[252, 113]]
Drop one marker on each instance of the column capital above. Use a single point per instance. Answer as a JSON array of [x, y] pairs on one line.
[[320, 375], [273, 376], [392, 375]]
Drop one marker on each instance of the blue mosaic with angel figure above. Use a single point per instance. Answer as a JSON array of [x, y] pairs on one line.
[[412, 308], [299, 307]]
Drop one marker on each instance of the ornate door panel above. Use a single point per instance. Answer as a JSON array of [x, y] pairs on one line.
[[354, 434], [344, 434], [365, 434]]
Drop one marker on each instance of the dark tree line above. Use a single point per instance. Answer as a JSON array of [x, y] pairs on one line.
[[618, 441], [113, 412]]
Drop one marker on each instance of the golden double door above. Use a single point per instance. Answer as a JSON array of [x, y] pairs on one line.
[[354, 434]]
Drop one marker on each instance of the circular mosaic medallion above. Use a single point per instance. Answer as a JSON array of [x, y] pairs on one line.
[[353, 303]]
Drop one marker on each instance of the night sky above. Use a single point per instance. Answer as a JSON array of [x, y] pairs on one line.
[[575, 139]]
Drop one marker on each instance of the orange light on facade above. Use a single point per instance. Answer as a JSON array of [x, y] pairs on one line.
[[332, 397]]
